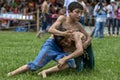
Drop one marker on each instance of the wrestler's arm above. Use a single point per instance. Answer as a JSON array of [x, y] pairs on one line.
[[76, 53], [88, 38], [57, 23], [78, 46]]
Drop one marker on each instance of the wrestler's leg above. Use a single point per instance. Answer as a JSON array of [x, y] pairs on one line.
[[69, 63], [90, 62], [19, 70], [52, 69]]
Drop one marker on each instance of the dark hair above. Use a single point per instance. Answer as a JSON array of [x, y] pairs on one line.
[[102, 0], [75, 5], [58, 38]]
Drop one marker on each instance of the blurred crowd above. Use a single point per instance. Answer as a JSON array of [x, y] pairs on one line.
[[24, 7], [88, 18]]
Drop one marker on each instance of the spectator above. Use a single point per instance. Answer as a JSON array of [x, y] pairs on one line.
[[82, 18], [118, 19], [3, 8], [100, 19], [111, 17], [90, 14], [44, 18], [4, 22]]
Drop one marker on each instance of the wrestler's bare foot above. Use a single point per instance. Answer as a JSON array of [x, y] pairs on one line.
[[38, 35], [43, 74], [9, 74]]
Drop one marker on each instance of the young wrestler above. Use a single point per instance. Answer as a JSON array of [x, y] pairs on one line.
[[71, 24], [69, 44], [51, 50]]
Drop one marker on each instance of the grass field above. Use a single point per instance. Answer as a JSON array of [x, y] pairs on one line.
[[17, 49]]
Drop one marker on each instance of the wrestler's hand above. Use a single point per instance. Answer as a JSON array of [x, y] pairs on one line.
[[61, 62], [85, 45], [68, 33]]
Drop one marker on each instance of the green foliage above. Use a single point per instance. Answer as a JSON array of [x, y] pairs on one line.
[[17, 49]]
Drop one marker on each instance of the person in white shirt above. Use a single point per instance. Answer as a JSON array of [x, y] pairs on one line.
[[111, 17], [100, 10]]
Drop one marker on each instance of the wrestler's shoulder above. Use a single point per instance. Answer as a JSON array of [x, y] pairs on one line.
[[62, 17]]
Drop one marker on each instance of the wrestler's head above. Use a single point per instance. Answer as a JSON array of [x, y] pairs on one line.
[[75, 10], [62, 40]]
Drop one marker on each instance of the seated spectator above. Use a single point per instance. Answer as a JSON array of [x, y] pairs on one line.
[[4, 22]]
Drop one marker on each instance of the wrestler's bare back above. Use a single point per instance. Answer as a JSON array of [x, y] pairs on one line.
[[70, 42]]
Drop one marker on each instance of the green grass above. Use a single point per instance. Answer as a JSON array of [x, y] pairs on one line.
[[17, 49]]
